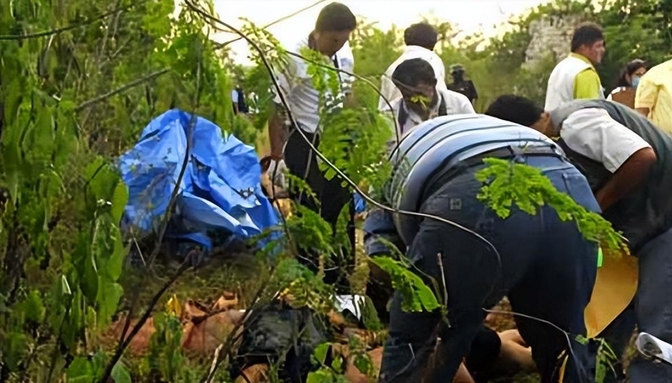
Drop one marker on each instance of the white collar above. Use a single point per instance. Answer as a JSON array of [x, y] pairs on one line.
[[416, 48]]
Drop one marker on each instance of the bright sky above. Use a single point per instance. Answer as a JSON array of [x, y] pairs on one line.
[[469, 15]]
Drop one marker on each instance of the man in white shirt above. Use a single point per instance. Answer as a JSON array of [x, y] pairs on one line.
[[575, 77], [420, 99], [420, 40], [288, 148], [628, 163]]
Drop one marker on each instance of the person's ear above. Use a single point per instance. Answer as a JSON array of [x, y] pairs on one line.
[[547, 125], [543, 123]]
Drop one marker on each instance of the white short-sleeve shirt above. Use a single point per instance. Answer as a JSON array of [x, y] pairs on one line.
[[591, 132], [297, 87]]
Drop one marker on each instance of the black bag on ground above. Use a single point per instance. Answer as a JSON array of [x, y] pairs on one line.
[[279, 333]]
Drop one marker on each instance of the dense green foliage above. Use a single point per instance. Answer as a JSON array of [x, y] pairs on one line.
[[78, 82]]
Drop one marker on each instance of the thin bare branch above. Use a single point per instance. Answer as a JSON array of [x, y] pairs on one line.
[[102, 97]]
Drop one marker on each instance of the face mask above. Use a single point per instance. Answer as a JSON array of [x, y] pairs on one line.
[[635, 81]]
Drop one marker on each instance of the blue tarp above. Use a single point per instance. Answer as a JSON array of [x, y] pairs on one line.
[[360, 203], [220, 189]]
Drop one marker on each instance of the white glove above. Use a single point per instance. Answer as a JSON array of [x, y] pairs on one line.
[[276, 172]]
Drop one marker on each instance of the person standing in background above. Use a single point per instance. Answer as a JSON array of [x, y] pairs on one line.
[[234, 101], [654, 95], [238, 99], [575, 77], [289, 149], [462, 85], [624, 92], [420, 40]]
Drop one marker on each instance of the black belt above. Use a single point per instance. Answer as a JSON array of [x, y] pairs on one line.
[[511, 152], [507, 152]]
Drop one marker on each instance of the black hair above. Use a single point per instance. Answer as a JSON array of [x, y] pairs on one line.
[[412, 73], [421, 34], [516, 109], [629, 69], [336, 17], [586, 34]]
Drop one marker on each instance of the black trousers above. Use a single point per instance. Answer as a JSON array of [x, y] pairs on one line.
[[331, 197]]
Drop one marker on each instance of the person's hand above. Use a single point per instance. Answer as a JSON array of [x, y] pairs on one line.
[[276, 173]]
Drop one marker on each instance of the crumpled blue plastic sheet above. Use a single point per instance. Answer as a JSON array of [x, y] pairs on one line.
[[360, 203], [220, 190]]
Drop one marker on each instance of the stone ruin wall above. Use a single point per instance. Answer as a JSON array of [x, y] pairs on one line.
[[550, 34]]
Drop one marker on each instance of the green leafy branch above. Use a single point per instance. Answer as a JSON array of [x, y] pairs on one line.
[[606, 357], [507, 183], [353, 139], [327, 373], [356, 143], [417, 296], [271, 47], [300, 287], [331, 361], [421, 100], [257, 79]]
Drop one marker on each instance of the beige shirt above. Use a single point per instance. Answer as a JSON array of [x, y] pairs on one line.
[[655, 93]]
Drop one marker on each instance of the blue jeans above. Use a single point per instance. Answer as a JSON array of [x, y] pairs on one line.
[[546, 268]]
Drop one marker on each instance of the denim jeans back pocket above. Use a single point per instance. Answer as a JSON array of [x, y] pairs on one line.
[[456, 203], [576, 185]]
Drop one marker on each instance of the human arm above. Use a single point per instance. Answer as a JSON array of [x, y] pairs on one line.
[[587, 85], [277, 131], [466, 107], [439, 72], [646, 96], [474, 93], [592, 133], [630, 176], [380, 232]]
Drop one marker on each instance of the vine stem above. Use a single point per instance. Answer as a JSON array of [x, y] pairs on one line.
[[123, 88], [70, 27], [189, 261]]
